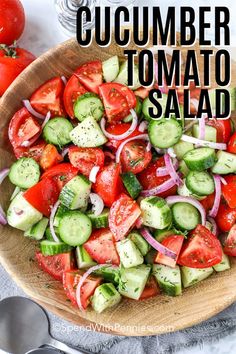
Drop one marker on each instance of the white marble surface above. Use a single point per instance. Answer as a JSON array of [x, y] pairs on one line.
[[43, 32]]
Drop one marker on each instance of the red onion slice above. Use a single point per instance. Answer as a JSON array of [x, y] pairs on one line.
[[171, 152], [93, 174], [213, 212], [217, 146], [28, 106], [139, 222], [110, 155], [215, 230], [64, 79], [64, 152], [3, 174], [223, 181], [159, 189], [97, 202], [157, 245], [195, 103], [162, 171], [202, 127], [3, 218], [138, 137], [171, 170], [51, 220], [143, 126], [48, 116], [149, 146]]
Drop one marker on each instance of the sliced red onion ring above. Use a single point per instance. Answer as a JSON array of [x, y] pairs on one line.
[[215, 230], [3, 174], [171, 170], [171, 152], [159, 151], [223, 181], [139, 222], [149, 146], [179, 199], [213, 212], [110, 155], [124, 135], [163, 171], [64, 152], [195, 103], [48, 116], [3, 218], [157, 245], [84, 277], [64, 79], [97, 202], [51, 220], [190, 139], [143, 126], [28, 143], [93, 174], [28, 106], [159, 189], [138, 137], [202, 127]]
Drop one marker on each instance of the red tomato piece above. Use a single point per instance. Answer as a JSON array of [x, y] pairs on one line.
[[90, 75], [34, 151], [73, 90], [201, 250], [230, 243], [149, 179], [135, 157], [223, 128], [108, 183], [86, 158], [208, 202], [143, 92], [49, 98], [118, 100], [50, 157], [118, 129], [229, 190], [232, 144], [43, 195], [56, 265], [226, 217], [174, 243], [61, 173], [71, 279], [151, 289], [12, 20], [123, 214], [101, 247]]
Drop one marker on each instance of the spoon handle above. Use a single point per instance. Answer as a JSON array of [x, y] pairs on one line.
[[65, 348]]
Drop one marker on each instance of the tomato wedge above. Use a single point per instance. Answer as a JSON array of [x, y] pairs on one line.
[[71, 279], [108, 183], [73, 90], [34, 151], [223, 128], [61, 173], [56, 265], [226, 217], [135, 157], [123, 215], [50, 157], [118, 100], [143, 92], [90, 75], [174, 243], [208, 202], [118, 129], [49, 98], [43, 195], [229, 190], [201, 250], [86, 158], [230, 243], [232, 144], [101, 247], [151, 289]]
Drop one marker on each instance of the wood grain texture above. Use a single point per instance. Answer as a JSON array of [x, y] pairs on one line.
[[158, 315]]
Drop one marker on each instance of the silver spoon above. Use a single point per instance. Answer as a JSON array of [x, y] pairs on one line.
[[24, 326]]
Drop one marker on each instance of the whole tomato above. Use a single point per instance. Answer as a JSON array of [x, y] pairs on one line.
[[13, 61], [12, 21]]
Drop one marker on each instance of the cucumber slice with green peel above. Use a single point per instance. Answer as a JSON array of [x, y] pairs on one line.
[[191, 276], [88, 134], [212, 97], [150, 256], [99, 221], [183, 168], [111, 68], [185, 192], [75, 194], [122, 77], [60, 212], [37, 231], [88, 105], [200, 159], [147, 104], [51, 248], [155, 212], [105, 296], [200, 183], [109, 274], [138, 110], [48, 234], [133, 281], [210, 133], [164, 133], [223, 265], [131, 184], [226, 163], [75, 228], [24, 173], [83, 258], [21, 214], [160, 235], [57, 131], [169, 279], [181, 148], [16, 191], [130, 255], [185, 216], [139, 242]]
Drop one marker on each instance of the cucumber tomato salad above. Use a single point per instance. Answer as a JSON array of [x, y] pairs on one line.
[[121, 205]]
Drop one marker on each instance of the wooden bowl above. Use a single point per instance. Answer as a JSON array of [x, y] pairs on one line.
[[154, 316]]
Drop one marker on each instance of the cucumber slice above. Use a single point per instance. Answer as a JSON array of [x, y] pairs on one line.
[[75, 228], [83, 258], [109, 274], [99, 221], [200, 159], [169, 279], [50, 248], [24, 173], [37, 231], [88, 134], [183, 168], [160, 235], [16, 191], [21, 214], [138, 110], [212, 97], [191, 276], [110, 68], [226, 163], [105, 296], [131, 184], [57, 131], [185, 216], [147, 104], [181, 148], [155, 212], [210, 133], [60, 212], [223, 265], [200, 183], [130, 256], [88, 105], [75, 194], [164, 133], [122, 77], [139, 242], [133, 281]]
